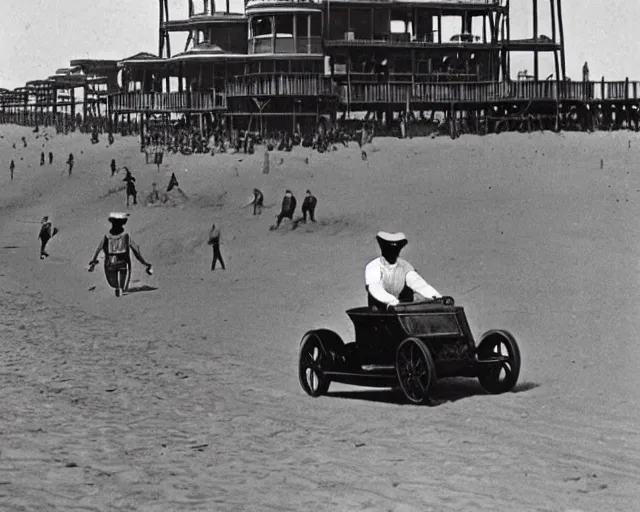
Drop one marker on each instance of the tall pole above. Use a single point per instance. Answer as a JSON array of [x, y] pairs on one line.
[[561, 27], [508, 18], [166, 34], [553, 38], [160, 29], [536, 62]]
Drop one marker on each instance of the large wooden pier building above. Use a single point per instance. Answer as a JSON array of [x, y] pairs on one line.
[[288, 64]]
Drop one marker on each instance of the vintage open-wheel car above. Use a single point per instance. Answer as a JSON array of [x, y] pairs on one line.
[[409, 346]]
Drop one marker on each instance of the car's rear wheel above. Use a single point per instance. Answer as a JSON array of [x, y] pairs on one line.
[[319, 352], [498, 361], [416, 370]]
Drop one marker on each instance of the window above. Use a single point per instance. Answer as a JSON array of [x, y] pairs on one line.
[[316, 24], [301, 25], [284, 25], [261, 27]]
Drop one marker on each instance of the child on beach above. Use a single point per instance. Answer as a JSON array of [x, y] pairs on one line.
[[12, 166]]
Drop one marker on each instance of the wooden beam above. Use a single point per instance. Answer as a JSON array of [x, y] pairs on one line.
[[561, 27], [536, 62], [552, 5], [161, 29], [484, 29]]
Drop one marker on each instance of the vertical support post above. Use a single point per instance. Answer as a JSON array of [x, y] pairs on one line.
[[161, 29], [555, 51], [168, 39], [439, 27], [536, 63], [273, 33], [626, 88], [295, 33], [561, 27], [84, 103], [484, 29], [508, 19], [349, 83], [308, 33]]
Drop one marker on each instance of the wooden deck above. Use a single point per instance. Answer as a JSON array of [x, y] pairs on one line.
[[360, 95]]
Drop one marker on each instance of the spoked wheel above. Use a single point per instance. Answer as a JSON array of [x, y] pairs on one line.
[[499, 361], [318, 352], [416, 370]]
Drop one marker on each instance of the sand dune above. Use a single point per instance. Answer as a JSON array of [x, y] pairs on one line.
[[183, 394]]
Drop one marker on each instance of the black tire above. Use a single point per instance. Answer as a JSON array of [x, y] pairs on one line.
[[320, 350], [502, 376], [415, 369]]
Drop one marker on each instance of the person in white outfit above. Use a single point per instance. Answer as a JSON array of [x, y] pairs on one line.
[[389, 279]]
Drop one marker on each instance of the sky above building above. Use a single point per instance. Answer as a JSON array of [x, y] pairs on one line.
[[37, 37]]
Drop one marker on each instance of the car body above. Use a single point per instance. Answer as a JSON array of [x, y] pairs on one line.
[[411, 345]]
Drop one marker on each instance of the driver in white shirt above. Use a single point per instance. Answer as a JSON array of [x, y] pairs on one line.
[[389, 279]]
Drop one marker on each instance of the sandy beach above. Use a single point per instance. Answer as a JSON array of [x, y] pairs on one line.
[[183, 395]]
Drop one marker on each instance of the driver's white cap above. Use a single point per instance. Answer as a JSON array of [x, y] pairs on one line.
[[118, 216], [392, 238]]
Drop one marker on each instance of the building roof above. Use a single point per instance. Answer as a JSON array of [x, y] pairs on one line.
[[218, 18]]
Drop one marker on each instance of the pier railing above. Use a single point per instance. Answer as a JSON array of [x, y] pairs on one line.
[[265, 84], [487, 92], [168, 102], [18, 108]]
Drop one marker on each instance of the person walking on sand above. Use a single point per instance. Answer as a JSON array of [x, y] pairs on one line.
[[42, 158], [288, 208], [113, 167], [309, 206], [214, 241], [12, 167], [117, 246], [131, 187], [70, 163], [158, 155], [257, 201], [50, 157], [47, 232]]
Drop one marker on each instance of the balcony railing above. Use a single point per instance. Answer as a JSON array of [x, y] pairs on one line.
[[168, 102], [263, 84], [304, 44]]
